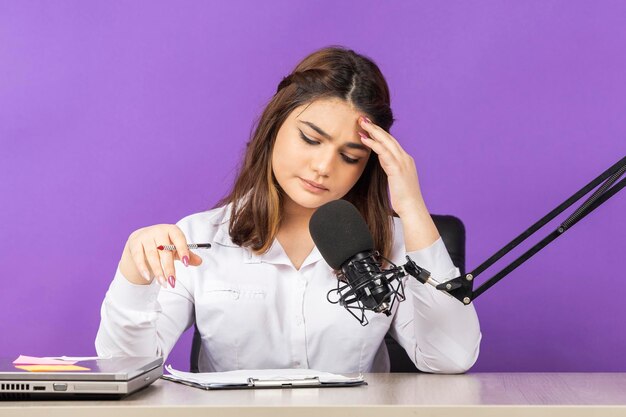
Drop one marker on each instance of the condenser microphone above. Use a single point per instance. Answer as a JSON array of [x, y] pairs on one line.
[[346, 244]]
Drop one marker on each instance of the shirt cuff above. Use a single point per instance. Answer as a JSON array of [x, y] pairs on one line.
[[133, 296], [436, 260]]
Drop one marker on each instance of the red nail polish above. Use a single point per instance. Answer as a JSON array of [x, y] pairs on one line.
[[362, 135], [368, 120], [185, 260], [172, 281]]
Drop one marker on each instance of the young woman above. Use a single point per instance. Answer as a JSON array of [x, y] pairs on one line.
[[258, 296]]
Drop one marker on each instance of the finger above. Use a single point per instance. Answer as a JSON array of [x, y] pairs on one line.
[[177, 237], [167, 260], [389, 145], [387, 149], [385, 154], [374, 145], [375, 131], [380, 135], [194, 260], [388, 161], [152, 256], [139, 259]]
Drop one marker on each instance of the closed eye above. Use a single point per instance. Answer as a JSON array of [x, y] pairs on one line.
[[346, 158], [307, 140], [349, 160]]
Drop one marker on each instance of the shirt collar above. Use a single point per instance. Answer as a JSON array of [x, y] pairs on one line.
[[222, 220], [275, 254]]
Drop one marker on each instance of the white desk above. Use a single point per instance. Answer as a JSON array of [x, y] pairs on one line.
[[386, 395]]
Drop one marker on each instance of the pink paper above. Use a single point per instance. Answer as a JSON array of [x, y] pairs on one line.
[[32, 360]]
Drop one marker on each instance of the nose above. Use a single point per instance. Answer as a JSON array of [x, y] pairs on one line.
[[322, 162]]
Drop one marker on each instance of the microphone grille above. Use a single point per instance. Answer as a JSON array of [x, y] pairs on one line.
[[340, 232]]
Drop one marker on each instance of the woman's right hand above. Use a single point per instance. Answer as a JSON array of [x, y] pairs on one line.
[[142, 262]]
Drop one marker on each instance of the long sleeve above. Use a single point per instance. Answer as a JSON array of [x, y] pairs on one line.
[[246, 305], [440, 334], [133, 322]]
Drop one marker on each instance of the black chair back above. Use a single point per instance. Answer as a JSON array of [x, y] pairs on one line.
[[452, 233]]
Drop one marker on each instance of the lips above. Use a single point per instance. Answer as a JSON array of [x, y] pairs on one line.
[[314, 184]]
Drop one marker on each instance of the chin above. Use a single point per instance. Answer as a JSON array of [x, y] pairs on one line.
[[310, 201]]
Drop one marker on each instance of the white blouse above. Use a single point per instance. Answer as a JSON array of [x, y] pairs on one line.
[[259, 312]]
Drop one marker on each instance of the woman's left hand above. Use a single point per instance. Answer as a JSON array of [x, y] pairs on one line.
[[404, 188]]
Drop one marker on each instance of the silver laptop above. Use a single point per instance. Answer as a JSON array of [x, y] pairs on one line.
[[106, 378]]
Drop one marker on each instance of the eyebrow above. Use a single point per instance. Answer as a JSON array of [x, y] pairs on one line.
[[353, 145]]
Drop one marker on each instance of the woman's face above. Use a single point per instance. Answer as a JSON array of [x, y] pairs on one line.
[[318, 155]]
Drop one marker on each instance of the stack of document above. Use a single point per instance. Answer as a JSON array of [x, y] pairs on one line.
[[50, 364], [263, 378]]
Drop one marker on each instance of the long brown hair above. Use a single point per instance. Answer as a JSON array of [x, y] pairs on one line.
[[332, 72]]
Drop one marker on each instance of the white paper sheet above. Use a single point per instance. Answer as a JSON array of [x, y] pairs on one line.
[[78, 358], [240, 377]]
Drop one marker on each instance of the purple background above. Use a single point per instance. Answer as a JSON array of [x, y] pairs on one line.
[[119, 115]]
